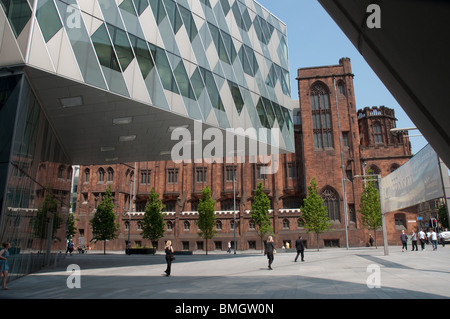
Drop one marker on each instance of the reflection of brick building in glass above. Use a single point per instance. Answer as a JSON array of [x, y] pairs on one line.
[[324, 91]]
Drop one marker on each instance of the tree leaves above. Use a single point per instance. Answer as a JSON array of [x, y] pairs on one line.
[[314, 213], [206, 221], [104, 225], [153, 222]]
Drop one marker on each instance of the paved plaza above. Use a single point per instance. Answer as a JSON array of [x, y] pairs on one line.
[[331, 273]]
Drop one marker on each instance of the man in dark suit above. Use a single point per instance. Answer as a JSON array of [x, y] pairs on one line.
[[300, 248]]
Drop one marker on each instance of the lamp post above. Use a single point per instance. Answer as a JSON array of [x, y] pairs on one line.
[[131, 207], [234, 168], [383, 219], [234, 203], [129, 212]]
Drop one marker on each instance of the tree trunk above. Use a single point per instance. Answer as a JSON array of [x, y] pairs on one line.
[[317, 241], [206, 245], [104, 247], [375, 234]]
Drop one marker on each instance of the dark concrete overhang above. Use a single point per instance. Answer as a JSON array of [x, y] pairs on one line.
[[410, 54], [93, 125]]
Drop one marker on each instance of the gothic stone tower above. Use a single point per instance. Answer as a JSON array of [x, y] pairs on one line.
[[331, 145]]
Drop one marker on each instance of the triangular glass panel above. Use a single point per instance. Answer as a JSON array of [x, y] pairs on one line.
[[237, 97], [158, 10], [140, 6], [121, 45], [48, 19], [174, 15], [142, 54], [18, 13]]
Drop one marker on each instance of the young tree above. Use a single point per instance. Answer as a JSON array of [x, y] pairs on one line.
[[153, 221], [47, 213], [71, 229], [443, 217], [314, 213], [370, 208], [260, 213], [206, 221], [104, 225]]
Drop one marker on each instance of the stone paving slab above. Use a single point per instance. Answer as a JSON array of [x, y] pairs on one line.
[[333, 273]]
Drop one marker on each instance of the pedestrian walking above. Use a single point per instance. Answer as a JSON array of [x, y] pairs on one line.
[[414, 240], [70, 246], [300, 248], [404, 240], [370, 240], [433, 237], [229, 247], [270, 251], [4, 266], [169, 257], [422, 238], [442, 238]]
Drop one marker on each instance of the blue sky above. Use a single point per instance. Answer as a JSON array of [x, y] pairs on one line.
[[314, 39]]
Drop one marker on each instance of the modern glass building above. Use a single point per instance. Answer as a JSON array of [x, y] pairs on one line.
[[95, 81]]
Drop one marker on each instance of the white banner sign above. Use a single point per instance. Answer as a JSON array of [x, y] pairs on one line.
[[416, 181]]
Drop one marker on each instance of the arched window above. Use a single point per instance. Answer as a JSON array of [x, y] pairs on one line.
[[393, 167], [331, 202], [375, 169], [169, 225], [86, 175], [110, 174], [187, 225], [341, 87], [377, 134], [321, 116], [101, 175], [61, 171], [218, 225], [285, 223]]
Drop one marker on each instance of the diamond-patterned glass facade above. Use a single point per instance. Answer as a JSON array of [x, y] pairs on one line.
[[223, 62]]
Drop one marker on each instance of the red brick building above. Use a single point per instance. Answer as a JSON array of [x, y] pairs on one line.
[[327, 107]]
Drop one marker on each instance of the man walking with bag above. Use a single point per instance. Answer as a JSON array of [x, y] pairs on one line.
[[300, 248]]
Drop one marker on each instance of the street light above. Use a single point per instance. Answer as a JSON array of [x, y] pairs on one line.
[[234, 168], [234, 203], [129, 211], [383, 216], [131, 196]]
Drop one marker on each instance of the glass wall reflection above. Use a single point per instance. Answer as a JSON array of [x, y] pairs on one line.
[[35, 181]]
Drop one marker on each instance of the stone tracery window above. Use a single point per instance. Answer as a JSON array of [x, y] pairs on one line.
[[377, 133], [321, 116], [331, 202], [101, 175]]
